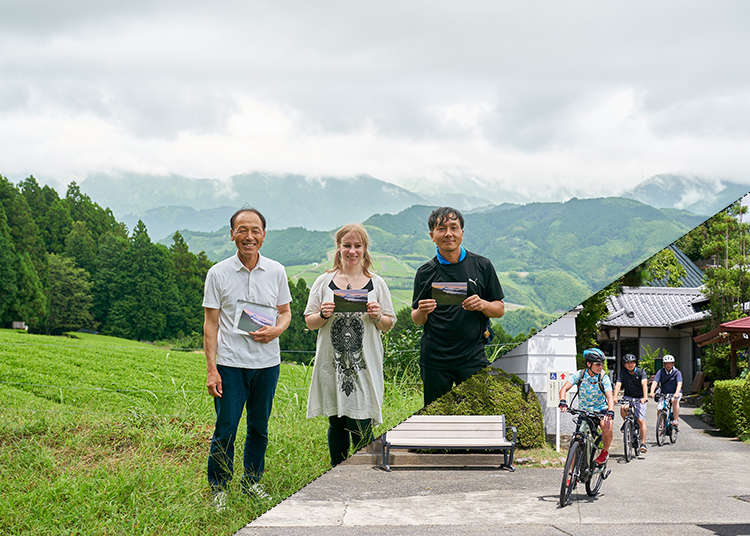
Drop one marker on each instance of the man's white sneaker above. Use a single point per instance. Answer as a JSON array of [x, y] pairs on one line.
[[644, 448], [257, 490], [220, 501]]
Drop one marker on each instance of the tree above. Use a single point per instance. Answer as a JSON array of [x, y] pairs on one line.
[[110, 277], [190, 274], [149, 300], [594, 311], [80, 246], [30, 304], [8, 287], [57, 225], [298, 337], [23, 229], [70, 297]]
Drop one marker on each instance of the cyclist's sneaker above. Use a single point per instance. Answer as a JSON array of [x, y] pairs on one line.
[[675, 425], [644, 448], [603, 456]]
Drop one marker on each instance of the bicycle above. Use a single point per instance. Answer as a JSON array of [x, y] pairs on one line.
[[631, 432], [584, 448], [664, 417]]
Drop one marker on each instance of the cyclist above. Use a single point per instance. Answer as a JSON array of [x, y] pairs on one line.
[[669, 380], [595, 394], [635, 384]]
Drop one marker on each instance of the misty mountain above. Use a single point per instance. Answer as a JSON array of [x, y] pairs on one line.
[[168, 203], [699, 195]]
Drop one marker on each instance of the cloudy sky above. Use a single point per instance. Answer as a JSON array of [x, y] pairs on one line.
[[543, 97]]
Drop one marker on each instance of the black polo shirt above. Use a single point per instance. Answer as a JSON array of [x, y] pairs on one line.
[[631, 383], [453, 337]]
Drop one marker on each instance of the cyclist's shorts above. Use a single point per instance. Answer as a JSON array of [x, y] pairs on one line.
[[638, 407]]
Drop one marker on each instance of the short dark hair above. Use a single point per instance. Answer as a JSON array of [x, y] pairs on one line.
[[253, 210], [439, 215]]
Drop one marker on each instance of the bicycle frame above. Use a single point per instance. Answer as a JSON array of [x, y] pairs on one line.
[[665, 408], [635, 430], [585, 423]]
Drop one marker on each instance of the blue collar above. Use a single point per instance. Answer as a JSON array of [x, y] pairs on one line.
[[443, 260]]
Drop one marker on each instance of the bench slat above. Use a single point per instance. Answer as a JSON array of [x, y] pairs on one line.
[[456, 418], [459, 427]]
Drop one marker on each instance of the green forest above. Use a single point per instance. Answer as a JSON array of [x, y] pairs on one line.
[[71, 265]]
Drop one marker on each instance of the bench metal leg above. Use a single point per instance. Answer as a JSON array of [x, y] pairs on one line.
[[384, 465]]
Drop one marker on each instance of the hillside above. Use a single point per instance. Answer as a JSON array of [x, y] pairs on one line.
[[550, 255]]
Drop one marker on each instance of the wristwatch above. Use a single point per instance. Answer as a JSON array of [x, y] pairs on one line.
[[324, 317]]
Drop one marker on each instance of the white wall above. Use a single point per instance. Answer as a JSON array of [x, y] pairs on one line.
[[551, 350]]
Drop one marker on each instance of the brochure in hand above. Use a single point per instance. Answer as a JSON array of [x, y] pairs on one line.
[[449, 293], [254, 317], [350, 300]]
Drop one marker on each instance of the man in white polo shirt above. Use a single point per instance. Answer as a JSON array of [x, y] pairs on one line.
[[241, 293]]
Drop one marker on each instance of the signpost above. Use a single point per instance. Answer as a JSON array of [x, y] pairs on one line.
[[555, 381]]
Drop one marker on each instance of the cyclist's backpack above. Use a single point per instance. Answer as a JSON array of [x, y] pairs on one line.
[[580, 380]]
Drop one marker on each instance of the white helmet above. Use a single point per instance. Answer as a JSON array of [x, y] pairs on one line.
[[669, 358]]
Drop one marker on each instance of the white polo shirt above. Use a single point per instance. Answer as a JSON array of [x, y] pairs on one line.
[[228, 284]]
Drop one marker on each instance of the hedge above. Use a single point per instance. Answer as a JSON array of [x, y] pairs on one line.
[[495, 392], [732, 406]]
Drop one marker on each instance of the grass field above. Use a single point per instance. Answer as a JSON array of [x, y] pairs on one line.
[[101, 435]]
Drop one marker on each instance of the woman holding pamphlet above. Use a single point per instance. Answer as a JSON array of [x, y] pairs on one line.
[[349, 305]]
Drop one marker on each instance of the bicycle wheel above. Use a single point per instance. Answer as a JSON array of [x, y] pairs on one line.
[[596, 477], [627, 440], [661, 428], [570, 473]]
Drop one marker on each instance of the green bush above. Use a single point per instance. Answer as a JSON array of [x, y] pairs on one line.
[[732, 406], [495, 392]]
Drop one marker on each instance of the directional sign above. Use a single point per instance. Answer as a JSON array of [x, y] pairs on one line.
[[554, 384]]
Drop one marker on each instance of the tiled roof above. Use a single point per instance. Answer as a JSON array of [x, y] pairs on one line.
[[693, 277], [653, 307]]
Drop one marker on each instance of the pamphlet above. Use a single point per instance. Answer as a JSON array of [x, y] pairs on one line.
[[350, 300], [449, 293]]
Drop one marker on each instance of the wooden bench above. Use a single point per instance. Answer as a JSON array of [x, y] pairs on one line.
[[451, 432]]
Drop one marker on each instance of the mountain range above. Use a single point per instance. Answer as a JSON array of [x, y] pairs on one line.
[[166, 203], [551, 256]]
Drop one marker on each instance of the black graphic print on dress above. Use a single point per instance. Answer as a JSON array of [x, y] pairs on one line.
[[346, 334]]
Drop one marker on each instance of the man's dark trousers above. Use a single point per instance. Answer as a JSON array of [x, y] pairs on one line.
[[241, 387], [437, 382]]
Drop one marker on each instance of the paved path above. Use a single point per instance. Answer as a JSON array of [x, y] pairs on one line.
[[686, 489]]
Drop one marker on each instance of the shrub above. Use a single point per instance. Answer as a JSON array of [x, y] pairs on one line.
[[495, 392], [731, 406]]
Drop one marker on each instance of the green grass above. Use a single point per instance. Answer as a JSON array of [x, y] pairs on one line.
[[100, 435]]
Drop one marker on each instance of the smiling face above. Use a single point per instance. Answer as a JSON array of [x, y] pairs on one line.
[[248, 234], [448, 234], [630, 365], [352, 249]]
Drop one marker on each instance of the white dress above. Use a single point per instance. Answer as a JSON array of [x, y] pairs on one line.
[[348, 371]]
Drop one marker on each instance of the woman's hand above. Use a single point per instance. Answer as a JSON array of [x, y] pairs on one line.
[[374, 311]]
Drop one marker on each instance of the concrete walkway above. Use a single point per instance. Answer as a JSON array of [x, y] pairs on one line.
[[694, 487]]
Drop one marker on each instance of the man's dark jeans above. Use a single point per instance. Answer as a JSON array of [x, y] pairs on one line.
[[253, 388], [437, 382]]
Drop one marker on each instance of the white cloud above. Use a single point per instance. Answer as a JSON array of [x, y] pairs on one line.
[[536, 98]]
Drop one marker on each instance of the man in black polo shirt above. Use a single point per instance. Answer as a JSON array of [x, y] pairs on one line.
[[452, 347], [635, 384]]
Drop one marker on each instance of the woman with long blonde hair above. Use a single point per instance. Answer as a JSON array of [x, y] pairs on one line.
[[347, 384]]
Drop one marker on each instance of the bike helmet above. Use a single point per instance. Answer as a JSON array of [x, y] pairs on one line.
[[628, 358], [669, 358], [593, 355]]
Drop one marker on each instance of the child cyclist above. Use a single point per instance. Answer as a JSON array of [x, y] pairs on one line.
[[595, 394]]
